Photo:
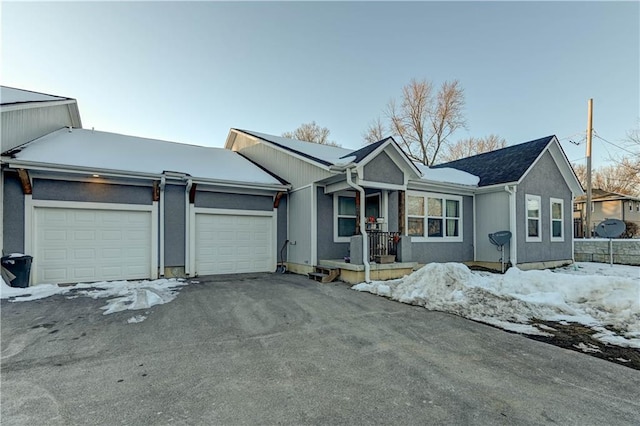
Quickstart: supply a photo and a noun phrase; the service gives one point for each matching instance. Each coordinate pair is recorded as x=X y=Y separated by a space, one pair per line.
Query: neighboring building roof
x=602 y=195
x=324 y=154
x=11 y=95
x=88 y=149
x=503 y=165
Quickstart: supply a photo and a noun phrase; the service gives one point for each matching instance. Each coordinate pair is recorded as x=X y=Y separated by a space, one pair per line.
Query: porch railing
x=382 y=244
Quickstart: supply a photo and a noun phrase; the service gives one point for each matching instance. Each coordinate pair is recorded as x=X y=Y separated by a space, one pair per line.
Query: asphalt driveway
x=281 y=349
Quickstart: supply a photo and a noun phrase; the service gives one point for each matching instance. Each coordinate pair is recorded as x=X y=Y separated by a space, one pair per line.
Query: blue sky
x=188 y=72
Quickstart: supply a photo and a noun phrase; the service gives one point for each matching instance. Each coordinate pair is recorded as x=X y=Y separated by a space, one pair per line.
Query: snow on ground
x=595 y=295
x=121 y=295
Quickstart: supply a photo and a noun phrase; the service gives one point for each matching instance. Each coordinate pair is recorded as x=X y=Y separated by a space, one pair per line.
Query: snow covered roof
x=324 y=154
x=11 y=95
x=335 y=156
x=110 y=151
x=447 y=175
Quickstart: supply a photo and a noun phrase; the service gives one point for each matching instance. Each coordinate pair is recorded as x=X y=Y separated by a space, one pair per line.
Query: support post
x=401 y=212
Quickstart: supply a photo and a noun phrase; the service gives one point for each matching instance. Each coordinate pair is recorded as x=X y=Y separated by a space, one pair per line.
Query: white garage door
x=229 y=244
x=86 y=245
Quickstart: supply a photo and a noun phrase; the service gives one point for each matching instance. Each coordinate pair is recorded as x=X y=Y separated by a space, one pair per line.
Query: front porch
x=353 y=273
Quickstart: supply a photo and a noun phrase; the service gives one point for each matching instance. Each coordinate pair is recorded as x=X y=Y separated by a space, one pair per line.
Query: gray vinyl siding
x=383 y=169
x=427 y=252
x=299 y=250
x=295 y=171
x=24 y=125
x=174 y=225
x=327 y=249
x=492 y=216
x=60 y=190
x=13 y=210
x=223 y=200
x=546 y=181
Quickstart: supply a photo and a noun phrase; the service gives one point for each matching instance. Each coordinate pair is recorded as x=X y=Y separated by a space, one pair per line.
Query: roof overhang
x=89 y=172
x=450 y=188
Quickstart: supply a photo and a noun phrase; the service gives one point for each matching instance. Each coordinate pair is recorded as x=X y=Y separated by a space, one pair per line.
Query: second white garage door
x=231 y=244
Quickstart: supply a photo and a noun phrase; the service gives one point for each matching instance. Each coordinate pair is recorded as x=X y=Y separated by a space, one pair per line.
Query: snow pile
x=125 y=295
x=511 y=301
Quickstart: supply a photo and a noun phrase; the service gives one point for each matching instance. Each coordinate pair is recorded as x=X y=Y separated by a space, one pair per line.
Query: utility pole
x=589 y=131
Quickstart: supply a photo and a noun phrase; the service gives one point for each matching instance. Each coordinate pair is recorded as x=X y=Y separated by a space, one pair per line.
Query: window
x=344 y=217
x=630 y=206
x=533 y=218
x=638 y=207
x=434 y=216
x=557 y=223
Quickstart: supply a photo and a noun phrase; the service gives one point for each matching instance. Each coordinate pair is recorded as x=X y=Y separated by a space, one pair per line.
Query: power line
x=611 y=143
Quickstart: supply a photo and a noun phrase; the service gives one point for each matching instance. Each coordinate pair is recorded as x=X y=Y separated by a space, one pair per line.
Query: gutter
x=513 y=252
x=83 y=170
x=163 y=182
x=187 y=226
x=363 y=232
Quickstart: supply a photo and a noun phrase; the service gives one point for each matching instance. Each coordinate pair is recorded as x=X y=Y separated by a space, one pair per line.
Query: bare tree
x=375 y=132
x=633 y=142
x=421 y=120
x=621 y=178
x=473 y=146
x=581 y=173
x=311 y=132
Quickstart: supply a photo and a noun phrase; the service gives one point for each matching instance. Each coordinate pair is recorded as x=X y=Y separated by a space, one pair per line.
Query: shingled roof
x=503 y=165
x=361 y=153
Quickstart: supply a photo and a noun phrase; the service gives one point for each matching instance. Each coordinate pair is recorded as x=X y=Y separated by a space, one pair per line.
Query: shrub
x=631 y=231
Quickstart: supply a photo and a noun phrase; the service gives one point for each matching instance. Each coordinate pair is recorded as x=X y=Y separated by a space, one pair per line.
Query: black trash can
x=20 y=267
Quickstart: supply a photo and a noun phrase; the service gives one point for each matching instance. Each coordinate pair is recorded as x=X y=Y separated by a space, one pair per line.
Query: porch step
x=324 y=275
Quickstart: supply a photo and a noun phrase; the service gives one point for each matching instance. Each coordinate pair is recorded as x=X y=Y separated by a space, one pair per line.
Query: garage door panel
x=84 y=254
x=228 y=244
x=74 y=244
x=54 y=275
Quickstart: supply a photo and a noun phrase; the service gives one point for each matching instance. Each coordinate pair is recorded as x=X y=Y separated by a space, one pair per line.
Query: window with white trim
x=344 y=208
x=434 y=217
x=557 y=224
x=533 y=218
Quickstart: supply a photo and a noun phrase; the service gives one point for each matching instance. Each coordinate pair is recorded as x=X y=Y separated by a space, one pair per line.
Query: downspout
x=573 y=237
x=513 y=244
x=187 y=225
x=163 y=182
x=365 y=240
x=475 y=229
